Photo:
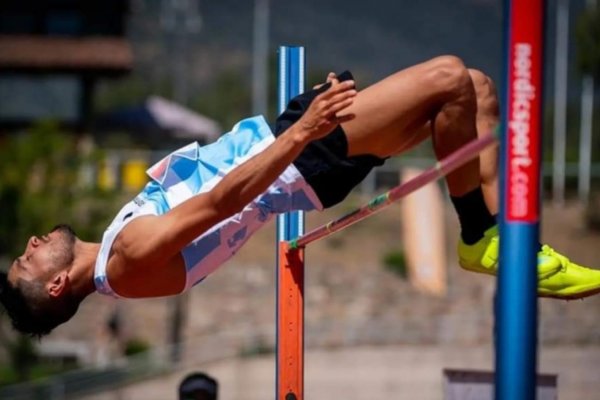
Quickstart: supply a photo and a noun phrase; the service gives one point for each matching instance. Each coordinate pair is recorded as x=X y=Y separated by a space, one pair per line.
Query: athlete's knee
x=484 y=86
x=485 y=90
x=450 y=74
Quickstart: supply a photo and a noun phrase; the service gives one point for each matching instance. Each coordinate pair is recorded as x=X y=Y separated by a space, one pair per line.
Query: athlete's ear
x=58 y=284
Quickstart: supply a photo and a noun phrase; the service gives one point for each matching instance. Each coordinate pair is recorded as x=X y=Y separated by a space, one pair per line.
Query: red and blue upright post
x=516 y=302
x=290 y=262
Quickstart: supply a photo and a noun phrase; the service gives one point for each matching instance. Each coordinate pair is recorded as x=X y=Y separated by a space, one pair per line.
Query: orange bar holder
x=291 y=323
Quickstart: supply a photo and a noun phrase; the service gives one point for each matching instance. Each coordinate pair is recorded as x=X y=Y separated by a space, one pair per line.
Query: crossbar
x=441 y=168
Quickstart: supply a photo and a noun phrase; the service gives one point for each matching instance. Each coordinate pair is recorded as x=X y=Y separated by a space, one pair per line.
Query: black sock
x=473 y=214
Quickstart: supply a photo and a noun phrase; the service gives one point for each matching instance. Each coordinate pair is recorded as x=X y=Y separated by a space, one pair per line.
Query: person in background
x=198 y=386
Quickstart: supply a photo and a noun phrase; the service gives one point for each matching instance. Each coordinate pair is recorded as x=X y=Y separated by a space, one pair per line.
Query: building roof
x=106 y=55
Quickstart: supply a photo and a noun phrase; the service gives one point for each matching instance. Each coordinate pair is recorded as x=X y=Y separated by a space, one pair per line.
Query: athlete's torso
x=192 y=170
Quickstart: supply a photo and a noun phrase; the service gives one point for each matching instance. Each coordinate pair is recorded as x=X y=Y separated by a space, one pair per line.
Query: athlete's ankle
x=474 y=217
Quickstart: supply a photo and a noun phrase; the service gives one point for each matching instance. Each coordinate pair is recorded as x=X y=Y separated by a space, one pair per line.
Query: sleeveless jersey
x=194 y=169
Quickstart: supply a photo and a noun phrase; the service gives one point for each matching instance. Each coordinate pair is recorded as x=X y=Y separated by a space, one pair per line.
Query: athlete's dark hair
x=30 y=307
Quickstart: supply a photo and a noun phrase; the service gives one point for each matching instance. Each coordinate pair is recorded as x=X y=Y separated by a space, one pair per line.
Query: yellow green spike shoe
x=558 y=277
x=482 y=256
x=571 y=282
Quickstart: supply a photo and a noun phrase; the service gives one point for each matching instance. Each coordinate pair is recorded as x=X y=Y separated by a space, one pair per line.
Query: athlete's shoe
x=557 y=276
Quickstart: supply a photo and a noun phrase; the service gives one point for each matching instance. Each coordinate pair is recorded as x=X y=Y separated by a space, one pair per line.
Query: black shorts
x=324 y=163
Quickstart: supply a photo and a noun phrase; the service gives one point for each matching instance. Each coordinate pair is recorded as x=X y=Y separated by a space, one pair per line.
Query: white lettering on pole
x=523 y=92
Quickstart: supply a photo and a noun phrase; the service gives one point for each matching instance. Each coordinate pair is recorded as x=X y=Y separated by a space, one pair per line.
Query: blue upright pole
x=291 y=84
x=289 y=370
x=516 y=303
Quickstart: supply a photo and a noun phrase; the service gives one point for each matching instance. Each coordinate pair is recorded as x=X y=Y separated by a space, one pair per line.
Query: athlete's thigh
x=390 y=115
x=415 y=138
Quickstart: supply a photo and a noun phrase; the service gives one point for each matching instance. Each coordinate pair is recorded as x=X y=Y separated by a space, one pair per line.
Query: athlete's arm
x=165 y=235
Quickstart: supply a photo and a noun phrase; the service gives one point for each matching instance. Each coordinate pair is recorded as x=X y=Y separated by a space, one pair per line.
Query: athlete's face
x=44 y=256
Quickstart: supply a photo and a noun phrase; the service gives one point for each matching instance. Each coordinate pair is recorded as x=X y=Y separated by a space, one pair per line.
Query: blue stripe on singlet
x=212 y=160
x=196 y=165
x=154 y=193
x=270 y=203
x=198 y=250
x=186 y=170
x=280 y=202
x=220 y=156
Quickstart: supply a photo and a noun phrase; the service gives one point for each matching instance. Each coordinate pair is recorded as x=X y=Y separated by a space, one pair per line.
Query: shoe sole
x=577 y=296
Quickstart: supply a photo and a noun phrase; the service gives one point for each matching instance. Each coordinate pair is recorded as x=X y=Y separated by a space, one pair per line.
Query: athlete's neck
x=81 y=273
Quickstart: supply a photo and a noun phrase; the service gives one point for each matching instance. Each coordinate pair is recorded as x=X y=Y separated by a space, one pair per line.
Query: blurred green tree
x=41 y=185
x=23 y=355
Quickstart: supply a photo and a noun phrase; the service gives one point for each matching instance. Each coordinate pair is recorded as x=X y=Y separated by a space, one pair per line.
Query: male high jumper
x=203 y=203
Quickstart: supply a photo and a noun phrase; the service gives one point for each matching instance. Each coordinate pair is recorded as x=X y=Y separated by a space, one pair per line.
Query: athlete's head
x=36 y=292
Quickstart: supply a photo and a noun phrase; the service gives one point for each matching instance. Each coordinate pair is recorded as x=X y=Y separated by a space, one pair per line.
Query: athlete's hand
x=330 y=77
x=323 y=114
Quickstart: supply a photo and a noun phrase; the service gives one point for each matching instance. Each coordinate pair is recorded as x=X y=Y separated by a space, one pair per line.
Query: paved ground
x=375 y=373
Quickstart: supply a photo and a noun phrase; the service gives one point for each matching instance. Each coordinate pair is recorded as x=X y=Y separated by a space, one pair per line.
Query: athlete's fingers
x=333 y=80
x=328 y=107
x=335 y=89
x=345 y=118
x=339 y=106
x=326 y=104
x=342 y=96
x=330 y=77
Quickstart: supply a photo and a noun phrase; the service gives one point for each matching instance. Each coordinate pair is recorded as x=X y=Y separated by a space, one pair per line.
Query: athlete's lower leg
x=477 y=209
x=440 y=97
x=558 y=277
x=435 y=98
x=487 y=121
x=454 y=125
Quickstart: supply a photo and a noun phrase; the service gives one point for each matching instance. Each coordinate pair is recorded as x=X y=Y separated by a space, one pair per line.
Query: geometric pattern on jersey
x=193 y=170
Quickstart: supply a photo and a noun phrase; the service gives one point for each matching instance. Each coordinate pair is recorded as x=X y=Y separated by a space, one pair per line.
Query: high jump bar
x=440 y=169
